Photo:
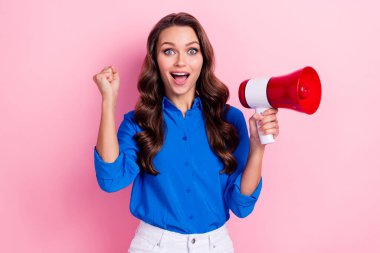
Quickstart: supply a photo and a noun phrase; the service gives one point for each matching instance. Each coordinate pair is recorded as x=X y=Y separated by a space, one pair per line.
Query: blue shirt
x=189 y=195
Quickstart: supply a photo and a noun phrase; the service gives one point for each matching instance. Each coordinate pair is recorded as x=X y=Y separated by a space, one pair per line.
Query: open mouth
x=180 y=78
x=180 y=75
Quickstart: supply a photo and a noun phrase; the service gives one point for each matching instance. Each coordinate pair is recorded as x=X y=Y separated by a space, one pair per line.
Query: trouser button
x=193 y=241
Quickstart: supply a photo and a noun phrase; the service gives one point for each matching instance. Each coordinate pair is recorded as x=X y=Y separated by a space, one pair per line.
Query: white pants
x=152 y=239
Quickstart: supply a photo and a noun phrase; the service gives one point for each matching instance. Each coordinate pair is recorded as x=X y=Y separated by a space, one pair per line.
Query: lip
x=178 y=82
x=179 y=71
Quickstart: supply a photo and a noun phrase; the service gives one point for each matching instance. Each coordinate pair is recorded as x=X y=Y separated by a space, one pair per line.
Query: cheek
x=196 y=64
x=162 y=64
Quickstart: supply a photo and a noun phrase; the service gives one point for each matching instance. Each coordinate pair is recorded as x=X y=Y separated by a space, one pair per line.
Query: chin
x=178 y=90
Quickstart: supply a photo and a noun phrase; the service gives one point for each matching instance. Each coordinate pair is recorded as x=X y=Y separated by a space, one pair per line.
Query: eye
x=168 y=51
x=193 y=51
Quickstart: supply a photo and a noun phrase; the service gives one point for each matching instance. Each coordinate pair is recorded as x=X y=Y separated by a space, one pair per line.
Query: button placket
x=187 y=162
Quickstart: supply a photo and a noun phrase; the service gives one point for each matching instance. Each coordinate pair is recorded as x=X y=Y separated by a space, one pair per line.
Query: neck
x=183 y=103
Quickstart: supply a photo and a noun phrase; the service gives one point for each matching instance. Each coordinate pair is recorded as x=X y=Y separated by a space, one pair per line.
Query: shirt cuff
x=108 y=170
x=243 y=199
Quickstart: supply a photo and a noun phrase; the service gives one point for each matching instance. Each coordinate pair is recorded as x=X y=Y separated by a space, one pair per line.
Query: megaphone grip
x=264 y=138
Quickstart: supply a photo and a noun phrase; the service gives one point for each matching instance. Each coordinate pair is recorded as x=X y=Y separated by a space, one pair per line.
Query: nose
x=180 y=62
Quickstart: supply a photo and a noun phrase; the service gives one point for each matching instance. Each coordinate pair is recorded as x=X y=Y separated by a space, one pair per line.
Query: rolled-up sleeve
x=240 y=204
x=116 y=175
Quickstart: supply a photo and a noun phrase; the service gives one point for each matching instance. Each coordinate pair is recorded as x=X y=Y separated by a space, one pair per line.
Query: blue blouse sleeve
x=116 y=175
x=240 y=204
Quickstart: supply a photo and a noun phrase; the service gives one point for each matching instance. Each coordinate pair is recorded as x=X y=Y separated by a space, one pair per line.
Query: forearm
x=107 y=144
x=252 y=172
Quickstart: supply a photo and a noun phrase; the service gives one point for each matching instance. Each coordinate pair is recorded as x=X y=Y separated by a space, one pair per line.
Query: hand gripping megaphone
x=300 y=91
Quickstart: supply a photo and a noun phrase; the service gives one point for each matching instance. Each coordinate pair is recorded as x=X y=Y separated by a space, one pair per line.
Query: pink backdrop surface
x=321 y=177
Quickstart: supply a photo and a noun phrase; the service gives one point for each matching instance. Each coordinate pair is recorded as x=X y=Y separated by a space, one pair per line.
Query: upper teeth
x=181 y=74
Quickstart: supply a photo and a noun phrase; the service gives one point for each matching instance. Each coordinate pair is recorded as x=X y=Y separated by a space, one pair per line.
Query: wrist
x=108 y=104
x=108 y=101
x=257 y=149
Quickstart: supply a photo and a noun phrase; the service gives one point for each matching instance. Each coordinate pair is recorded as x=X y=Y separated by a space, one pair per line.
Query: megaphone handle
x=264 y=138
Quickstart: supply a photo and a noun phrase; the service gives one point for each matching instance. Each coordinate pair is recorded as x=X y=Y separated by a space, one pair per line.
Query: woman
x=186 y=151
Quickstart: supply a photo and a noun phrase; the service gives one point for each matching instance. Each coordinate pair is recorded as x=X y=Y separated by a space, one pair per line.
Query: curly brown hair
x=222 y=136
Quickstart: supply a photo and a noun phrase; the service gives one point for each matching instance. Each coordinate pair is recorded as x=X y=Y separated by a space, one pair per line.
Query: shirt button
x=193 y=241
x=187 y=163
x=191 y=217
x=188 y=190
x=184 y=138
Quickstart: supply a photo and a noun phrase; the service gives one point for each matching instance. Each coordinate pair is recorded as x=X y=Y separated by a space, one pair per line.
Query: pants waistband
x=143 y=226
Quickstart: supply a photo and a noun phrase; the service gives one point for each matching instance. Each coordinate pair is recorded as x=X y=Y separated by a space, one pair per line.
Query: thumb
x=256 y=117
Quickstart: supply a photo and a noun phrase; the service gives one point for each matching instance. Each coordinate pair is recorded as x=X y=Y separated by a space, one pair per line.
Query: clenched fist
x=268 y=124
x=108 y=82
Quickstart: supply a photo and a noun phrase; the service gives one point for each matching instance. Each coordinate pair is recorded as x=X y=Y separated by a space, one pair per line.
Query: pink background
x=321 y=177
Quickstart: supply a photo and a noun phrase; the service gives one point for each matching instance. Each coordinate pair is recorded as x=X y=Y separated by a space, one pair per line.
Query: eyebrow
x=170 y=43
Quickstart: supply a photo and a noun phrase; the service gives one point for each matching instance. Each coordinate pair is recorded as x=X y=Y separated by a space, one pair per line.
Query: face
x=179 y=60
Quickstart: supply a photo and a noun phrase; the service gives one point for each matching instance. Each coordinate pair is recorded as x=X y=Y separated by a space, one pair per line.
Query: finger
x=103 y=76
x=252 y=121
x=268 y=118
x=276 y=134
x=255 y=117
x=259 y=116
x=116 y=75
x=269 y=131
x=107 y=69
x=270 y=111
x=269 y=125
x=114 y=70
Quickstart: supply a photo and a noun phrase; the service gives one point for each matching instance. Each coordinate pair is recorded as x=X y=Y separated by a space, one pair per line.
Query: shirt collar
x=167 y=103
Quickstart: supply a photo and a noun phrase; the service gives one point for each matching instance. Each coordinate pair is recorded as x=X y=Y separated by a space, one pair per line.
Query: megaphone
x=300 y=91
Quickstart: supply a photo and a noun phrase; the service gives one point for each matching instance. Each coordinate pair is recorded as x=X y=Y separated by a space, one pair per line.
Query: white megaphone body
x=300 y=90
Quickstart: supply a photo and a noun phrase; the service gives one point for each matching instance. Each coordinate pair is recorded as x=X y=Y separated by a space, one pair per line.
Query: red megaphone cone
x=300 y=90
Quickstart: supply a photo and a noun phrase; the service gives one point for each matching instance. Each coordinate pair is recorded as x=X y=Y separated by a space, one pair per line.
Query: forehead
x=179 y=35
